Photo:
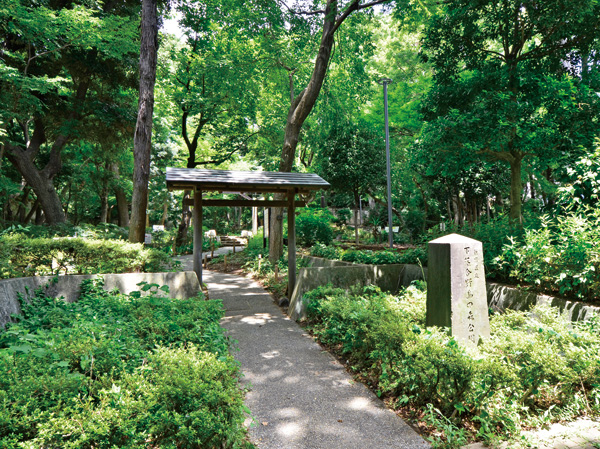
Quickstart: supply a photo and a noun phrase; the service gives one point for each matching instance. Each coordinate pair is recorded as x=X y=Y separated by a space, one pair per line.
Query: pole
x=384 y=82
x=291 y=243
x=198 y=234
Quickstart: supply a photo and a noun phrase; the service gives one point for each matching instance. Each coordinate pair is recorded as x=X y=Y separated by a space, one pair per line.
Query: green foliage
x=535 y=368
x=582 y=183
x=494 y=235
x=314 y=225
x=351 y=159
x=117 y=371
x=99 y=231
x=342 y=216
x=255 y=243
x=328 y=252
x=506 y=97
x=559 y=257
x=416 y=255
x=23 y=256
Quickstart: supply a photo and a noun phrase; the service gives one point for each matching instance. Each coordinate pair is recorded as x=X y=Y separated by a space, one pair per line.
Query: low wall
x=502 y=297
x=387 y=277
x=183 y=284
x=345 y=274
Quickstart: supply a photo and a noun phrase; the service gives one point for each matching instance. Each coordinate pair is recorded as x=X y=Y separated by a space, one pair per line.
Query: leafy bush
x=343 y=216
x=24 y=256
x=409 y=256
x=417 y=256
x=116 y=371
x=328 y=252
x=100 y=231
x=536 y=367
x=560 y=257
x=314 y=225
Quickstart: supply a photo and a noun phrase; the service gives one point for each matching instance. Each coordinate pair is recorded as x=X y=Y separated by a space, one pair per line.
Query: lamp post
x=384 y=82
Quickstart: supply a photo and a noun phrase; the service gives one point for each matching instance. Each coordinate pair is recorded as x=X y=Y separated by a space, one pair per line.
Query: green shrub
x=417 y=256
x=343 y=216
x=560 y=257
x=314 y=225
x=535 y=368
x=116 y=371
x=24 y=256
x=328 y=252
x=100 y=231
x=410 y=256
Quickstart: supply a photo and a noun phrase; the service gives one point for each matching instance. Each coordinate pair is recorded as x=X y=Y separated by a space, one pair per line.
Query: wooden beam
x=198 y=234
x=245 y=189
x=245 y=203
x=291 y=243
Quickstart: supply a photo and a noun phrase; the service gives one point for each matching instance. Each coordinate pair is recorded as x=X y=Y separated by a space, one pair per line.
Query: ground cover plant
x=118 y=371
x=535 y=368
x=557 y=255
x=21 y=256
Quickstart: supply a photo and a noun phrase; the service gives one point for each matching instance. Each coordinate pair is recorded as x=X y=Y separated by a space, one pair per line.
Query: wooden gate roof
x=243 y=181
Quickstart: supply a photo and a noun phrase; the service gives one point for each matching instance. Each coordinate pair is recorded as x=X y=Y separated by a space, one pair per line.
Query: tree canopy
x=493 y=109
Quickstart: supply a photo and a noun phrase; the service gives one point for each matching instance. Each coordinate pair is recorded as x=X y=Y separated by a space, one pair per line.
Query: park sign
x=456 y=290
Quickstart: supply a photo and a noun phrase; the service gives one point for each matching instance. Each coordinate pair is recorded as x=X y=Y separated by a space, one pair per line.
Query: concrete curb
x=345 y=275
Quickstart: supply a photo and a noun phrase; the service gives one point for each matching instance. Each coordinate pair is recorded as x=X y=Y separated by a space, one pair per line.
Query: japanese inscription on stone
x=456 y=291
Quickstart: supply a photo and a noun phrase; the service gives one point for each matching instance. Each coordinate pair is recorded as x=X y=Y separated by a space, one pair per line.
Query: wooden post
x=233 y=247
x=212 y=249
x=198 y=234
x=206 y=261
x=291 y=242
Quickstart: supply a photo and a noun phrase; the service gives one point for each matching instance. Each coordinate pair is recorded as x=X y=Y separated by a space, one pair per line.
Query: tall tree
x=495 y=63
x=334 y=15
x=211 y=79
x=59 y=64
x=142 y=143
x=351 y=161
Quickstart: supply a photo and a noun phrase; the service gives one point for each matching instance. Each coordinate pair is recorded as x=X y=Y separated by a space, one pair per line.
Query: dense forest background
x=494 y=106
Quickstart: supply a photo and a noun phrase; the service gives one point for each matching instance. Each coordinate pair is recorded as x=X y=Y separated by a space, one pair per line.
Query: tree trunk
x=122 y=207
x=186 y=219
x=300 y=108
x=516 y=190
x=254 y=220
x=143 y=130
x=275 y=233
x=21 y=214
x=39 y=216
x=104 y=197
x=165 y=213
x=121 y=197
x=356 y=225
x=34 y=208
x=41 y=183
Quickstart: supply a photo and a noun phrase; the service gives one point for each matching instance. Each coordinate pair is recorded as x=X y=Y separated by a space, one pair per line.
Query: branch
x=395 y=211
x=220 y=160
x=31 y=58
x=239 y=147
x=355 y=6
x=303 y=13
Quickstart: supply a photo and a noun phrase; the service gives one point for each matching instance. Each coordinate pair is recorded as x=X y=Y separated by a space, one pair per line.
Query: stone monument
x=456 y=292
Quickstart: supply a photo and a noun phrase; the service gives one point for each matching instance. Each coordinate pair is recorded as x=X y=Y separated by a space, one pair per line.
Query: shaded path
x=300 y=396
x=187 y=261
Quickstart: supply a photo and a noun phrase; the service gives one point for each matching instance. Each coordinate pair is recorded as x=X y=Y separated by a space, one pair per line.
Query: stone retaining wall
x=345 y=274
x=183 y=284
